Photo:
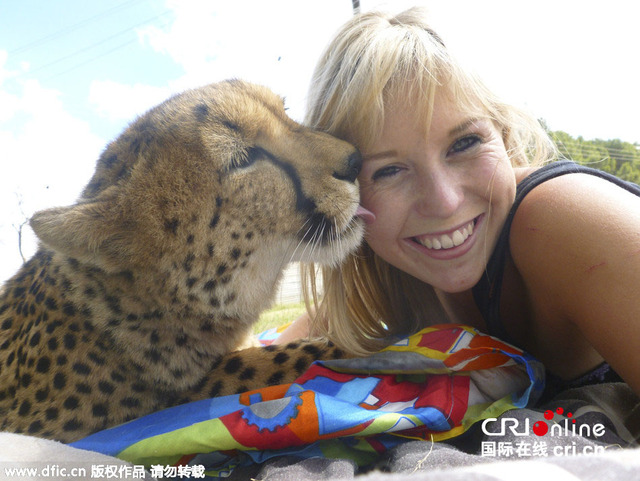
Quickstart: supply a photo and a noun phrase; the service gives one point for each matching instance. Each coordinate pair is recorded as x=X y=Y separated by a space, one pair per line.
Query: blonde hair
x=373 y=60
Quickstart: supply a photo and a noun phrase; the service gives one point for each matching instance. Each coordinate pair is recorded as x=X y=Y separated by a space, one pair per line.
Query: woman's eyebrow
x=464 y=126
x=380 y=155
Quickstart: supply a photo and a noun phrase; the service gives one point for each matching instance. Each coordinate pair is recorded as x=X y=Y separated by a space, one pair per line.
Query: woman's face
x=440 y=200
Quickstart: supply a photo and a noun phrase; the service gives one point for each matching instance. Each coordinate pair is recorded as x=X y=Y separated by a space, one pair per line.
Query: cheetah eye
x=247 y=157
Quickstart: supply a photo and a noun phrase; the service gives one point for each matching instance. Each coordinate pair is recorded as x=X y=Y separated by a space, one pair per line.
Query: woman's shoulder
x=582 y=190
x=569 y=207
x=566 y=173
x=571 y=230
x=575 y=241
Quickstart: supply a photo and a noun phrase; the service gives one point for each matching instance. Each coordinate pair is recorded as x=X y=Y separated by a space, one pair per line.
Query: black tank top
x=488 y=290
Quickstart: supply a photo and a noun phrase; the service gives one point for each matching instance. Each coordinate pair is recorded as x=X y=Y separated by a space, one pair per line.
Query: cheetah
x=141 y=293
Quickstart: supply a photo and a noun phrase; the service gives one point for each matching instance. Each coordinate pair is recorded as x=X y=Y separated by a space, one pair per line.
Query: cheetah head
x=215 y=183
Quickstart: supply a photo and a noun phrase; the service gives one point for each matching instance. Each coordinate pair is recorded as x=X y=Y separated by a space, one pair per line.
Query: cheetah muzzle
x=140 y=292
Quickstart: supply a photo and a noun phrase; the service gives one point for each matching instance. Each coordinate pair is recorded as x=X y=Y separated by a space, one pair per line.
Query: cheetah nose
x=352 y=169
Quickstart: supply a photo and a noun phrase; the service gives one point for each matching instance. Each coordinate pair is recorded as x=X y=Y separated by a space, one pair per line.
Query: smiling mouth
x=450 y=240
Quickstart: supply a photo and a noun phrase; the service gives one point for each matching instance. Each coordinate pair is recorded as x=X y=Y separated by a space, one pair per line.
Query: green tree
x=614 y=156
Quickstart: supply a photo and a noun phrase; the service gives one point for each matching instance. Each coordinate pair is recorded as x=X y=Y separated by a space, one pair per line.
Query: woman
x=458 y=233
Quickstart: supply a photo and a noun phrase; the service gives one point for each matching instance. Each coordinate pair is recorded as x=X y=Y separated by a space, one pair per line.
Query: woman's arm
x=576 y=244
x=298 y=329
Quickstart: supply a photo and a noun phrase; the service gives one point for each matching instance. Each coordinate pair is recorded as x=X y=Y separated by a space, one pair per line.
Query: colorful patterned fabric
x=267 y=337
x=431 y=386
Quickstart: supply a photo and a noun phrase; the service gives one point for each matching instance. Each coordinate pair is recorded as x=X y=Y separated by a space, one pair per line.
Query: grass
x=278 y=315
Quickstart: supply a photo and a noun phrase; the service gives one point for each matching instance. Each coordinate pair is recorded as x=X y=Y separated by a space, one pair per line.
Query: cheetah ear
x=84 y=231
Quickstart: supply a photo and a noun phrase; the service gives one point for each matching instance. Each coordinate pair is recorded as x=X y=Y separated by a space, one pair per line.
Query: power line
x=603 y=152
x=95 y=57
x=92 y=59
x=590 y=146
x=73 y=28
x=100 y=42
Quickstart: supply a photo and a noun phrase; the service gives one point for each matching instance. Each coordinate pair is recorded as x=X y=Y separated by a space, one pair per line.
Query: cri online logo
x=565 y=427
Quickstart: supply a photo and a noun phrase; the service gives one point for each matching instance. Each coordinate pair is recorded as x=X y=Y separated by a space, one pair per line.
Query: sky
x=74 y=73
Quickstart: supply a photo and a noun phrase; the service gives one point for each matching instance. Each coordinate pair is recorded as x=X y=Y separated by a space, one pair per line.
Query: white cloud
x=273 y=43
x=117 y=101
x=8 y=106
x=46 y=157
x=184 y=40
x=4 y=56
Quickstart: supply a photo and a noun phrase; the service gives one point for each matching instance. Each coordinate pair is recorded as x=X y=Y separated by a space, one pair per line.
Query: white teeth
x=459 y=237
x=447 y=242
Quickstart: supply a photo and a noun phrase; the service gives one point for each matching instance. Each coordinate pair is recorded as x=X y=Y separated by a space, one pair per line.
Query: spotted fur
x=142 y=291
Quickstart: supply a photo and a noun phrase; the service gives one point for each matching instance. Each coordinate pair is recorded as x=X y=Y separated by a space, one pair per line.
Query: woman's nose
x=439 y=194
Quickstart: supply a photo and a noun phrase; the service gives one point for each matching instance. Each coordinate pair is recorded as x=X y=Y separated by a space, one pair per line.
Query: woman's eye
x=389 y=171
x=465 y=143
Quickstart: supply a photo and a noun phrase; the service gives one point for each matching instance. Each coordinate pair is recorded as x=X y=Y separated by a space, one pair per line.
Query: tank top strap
x=488 y=290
